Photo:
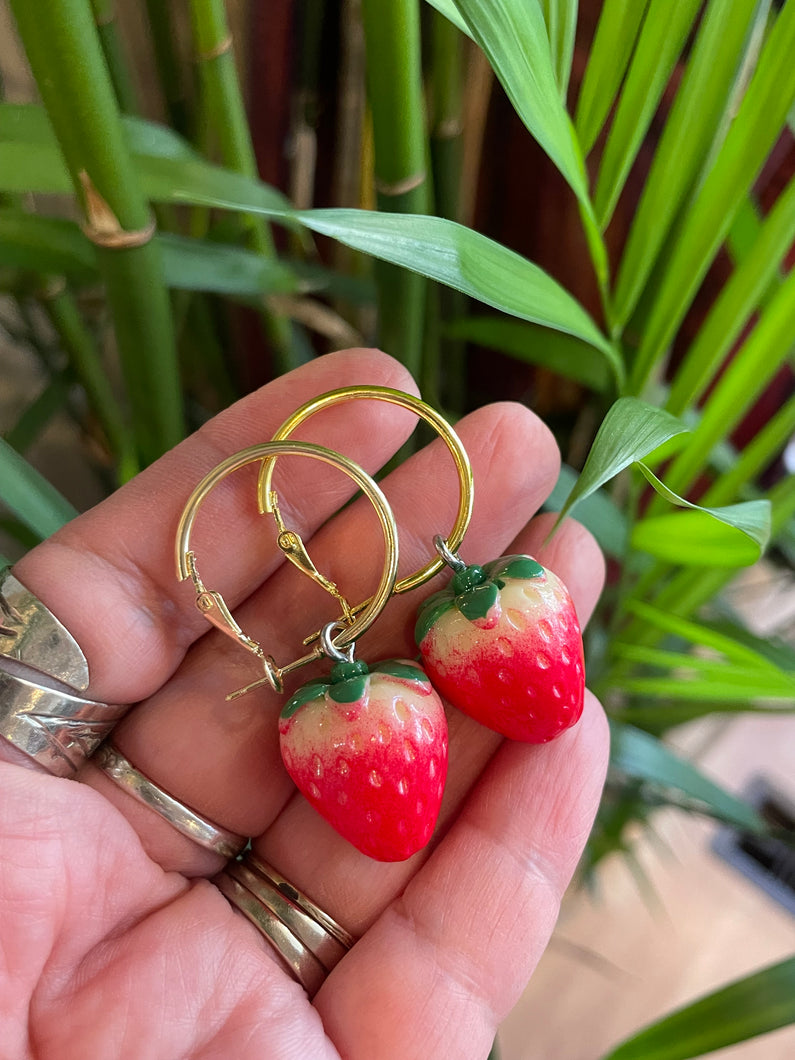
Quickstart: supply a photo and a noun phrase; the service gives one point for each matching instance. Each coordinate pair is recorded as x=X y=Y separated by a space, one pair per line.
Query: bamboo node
x=221 y=48
x=400 y=187
x=52 y=289
x=102 y=225
x=448 y=129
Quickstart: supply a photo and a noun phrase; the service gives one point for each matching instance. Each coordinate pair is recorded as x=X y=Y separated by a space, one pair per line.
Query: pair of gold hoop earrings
x=368 y=746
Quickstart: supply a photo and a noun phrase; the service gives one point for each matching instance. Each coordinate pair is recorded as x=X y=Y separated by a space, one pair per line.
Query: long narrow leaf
x=748 y=1007
x=513 y=35
x=24 y=491
x=689 y=131
x=760 y=119
x=739 y=297
x=45 y=245
x=753 y=366
x=642 y=756
x=527 y=342
x=759 y=682
x=698 y=633
x=616 y=33
x=661 y=39
x=597 y=512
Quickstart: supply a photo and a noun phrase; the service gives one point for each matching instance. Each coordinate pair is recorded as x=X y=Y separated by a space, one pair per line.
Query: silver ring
x=181 y=817
x=31 y=634
x=452 y=559
x=308 y=940
x=56 y=729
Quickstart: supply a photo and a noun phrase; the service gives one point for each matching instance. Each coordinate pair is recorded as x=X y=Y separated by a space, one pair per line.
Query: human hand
x=114 y=943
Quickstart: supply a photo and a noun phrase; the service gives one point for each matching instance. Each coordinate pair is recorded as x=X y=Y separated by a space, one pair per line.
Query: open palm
x=113 y=941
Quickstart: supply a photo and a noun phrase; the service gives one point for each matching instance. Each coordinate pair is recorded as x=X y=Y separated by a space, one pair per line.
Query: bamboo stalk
x=394 y=88
x=226 y=116
x=107 y=29
x=169 y=69
x=448 y=377
x=76 y=340
x=66 y=59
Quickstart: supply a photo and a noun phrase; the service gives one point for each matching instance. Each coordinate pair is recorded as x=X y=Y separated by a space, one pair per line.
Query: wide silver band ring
x=181 y=817
x=32 y=635
x=309 y=941
x=56 y=729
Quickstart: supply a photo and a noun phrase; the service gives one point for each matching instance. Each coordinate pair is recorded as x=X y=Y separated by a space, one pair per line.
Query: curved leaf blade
x=761 y=117
x=465 y=260
x=30 y=496
x=661 y=39
x=744 y=1009
x=704 y=536
x=689 y=132
x=616 y=33
x=630 y=430
x=642 y=756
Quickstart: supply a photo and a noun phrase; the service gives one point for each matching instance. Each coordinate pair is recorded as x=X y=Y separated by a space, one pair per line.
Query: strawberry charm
x=502 y=643
x=368 y=749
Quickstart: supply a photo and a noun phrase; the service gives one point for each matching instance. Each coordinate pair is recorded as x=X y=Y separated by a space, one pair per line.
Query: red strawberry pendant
x=502 y=643
x=368 y=749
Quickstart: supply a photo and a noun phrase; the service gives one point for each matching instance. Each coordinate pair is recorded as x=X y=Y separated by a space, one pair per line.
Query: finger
x=463 y=939
x=223 y=759
x=109 y=575
x=353 y=888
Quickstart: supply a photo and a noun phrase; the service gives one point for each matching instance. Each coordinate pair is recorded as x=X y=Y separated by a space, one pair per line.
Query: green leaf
x=169 y=169
x=460 y=258
x=513 y=35
x=561 y=19
x=738 y=645
x=748 y=1007
x=704 y=690
x=692 y=125
x=630 y=430
x=476 y=603
x=201 y=265
x=746 y=288
x=597 y=512
x=759 y=682
x=662 y=38
x=305 y=694
x=47 y=245
x=449 y=10
x=514 y=567
x=349 y=691
x=616 y=33
x=430 y=611
x=755 y=129
x=560 y=353
x=704 y=536
x=642 y=756
x=30 y=496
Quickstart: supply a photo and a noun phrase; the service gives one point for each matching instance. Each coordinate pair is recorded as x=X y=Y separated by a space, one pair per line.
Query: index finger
x=109 y=575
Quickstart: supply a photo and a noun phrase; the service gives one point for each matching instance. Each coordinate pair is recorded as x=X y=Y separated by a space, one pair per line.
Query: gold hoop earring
x=367 y=746
x=502 y=642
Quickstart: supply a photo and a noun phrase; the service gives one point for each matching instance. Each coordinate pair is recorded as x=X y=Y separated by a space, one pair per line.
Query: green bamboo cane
x=447 y=155
x=394 y=88
x=227 y=118
x=169 y=70
x=107 y=28
x=65 y=56
x=75 y=338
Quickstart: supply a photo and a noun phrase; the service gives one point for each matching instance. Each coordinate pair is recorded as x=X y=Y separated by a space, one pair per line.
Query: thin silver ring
x=181 y=817
x=452 y=559
x=56 y=729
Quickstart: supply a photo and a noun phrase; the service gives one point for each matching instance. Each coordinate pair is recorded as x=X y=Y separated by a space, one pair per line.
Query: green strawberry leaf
x=305 y=694
x=403 y=671
x=431 y=610
x=348 y=691
x=514 y=567
x=476 y=603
